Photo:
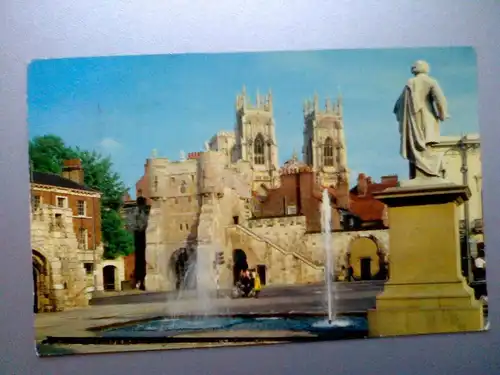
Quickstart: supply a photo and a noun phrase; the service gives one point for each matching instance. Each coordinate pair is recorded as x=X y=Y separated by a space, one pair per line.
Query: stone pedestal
x=426 y=292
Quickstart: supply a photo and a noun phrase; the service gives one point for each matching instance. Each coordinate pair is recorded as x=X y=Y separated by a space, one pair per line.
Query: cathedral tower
x=324 y=141
x=256 y=138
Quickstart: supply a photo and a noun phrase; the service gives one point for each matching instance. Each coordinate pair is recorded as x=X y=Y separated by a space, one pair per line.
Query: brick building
x=365 y=211
x=65 y=237
x=69 y=191
x=300 y=194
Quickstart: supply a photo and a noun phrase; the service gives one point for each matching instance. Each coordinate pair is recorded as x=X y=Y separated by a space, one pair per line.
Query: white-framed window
x=81 y=208
x=62 y=202
x=83 y=238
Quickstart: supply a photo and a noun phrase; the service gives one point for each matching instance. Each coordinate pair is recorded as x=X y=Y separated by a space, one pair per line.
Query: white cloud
x=109 y=145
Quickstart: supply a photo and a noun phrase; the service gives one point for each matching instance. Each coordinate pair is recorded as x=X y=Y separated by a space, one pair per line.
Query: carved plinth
x=426 y=292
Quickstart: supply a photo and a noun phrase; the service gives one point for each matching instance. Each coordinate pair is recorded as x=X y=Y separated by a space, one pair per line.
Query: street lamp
x=464 y=169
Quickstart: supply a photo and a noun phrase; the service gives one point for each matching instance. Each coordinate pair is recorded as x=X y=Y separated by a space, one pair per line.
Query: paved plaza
x=133 y=306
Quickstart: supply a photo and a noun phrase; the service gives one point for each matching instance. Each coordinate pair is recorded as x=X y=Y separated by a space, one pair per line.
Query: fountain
x=202 y=277
x=326 y=229
x=207 y=324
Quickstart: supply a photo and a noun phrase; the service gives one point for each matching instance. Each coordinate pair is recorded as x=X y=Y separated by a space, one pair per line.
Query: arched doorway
x=240 y=263
x=109 y=278
x=364 y=257
x=40 y=278
x=183 y=262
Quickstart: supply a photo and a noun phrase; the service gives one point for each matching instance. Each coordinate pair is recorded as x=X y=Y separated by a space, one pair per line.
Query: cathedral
x=254 y=140
x=235 y=199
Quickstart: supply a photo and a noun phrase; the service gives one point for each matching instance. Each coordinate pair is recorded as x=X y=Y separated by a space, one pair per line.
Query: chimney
x=72 y=170
x=362 y=184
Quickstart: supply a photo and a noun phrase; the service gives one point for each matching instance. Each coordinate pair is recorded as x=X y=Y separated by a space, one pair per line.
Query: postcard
x=208 y=200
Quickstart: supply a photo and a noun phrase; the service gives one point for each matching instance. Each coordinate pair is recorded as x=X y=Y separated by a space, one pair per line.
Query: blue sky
x=127 y=106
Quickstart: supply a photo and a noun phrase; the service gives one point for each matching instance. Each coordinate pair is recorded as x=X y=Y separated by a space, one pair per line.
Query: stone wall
x=289 y=233
x=61 y=280
x=341 y=244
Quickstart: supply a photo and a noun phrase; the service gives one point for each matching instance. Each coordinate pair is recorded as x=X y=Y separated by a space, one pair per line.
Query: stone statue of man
x=419 y=111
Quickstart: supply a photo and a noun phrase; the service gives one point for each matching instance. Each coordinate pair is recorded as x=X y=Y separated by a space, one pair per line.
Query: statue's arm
x=440 y=101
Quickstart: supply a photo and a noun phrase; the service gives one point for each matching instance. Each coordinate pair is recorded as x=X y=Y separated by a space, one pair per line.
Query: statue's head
x=420 y=67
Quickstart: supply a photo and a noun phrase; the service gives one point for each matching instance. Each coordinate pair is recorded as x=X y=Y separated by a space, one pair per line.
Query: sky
x=127 y=106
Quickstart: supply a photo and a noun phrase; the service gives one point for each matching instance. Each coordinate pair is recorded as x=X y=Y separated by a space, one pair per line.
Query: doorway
x=36 y=307
x=366 y=268
x=261 y=271
x=109 y=279
x=239 y=264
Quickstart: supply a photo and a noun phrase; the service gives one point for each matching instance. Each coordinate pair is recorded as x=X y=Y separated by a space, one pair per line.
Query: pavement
x=117 y=309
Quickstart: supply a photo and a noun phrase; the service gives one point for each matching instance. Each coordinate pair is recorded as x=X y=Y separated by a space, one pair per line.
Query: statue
x=182 y=156
x=419 y=110
x=207 y=146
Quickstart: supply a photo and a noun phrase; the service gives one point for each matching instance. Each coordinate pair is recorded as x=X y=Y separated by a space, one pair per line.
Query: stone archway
x=110 y=277
x=41 y=287
x=366 y=258
x=181 y=263
x=243 y=260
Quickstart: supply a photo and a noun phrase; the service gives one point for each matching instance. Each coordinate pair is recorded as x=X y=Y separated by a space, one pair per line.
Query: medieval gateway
x=234 y=200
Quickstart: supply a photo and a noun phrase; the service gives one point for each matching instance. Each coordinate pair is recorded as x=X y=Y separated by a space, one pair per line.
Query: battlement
x=312 y=108
x=262 y=103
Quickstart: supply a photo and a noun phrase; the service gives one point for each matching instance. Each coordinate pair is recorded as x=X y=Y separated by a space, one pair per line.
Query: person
x=480 y=266
x=257 y=286
x=245 y=282
x=480 y=275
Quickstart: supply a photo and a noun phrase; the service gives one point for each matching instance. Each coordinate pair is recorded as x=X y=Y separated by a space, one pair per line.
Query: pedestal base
x=426 y=292
x=415 y=309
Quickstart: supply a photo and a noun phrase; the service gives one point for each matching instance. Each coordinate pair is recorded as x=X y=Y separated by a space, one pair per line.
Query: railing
x=303 y=258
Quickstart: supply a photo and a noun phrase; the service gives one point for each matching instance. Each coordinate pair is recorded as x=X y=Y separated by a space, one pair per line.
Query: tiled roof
x=55 y=180
x=367 y=209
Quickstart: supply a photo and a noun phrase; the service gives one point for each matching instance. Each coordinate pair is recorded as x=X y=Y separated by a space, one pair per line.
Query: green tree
x=47 y=154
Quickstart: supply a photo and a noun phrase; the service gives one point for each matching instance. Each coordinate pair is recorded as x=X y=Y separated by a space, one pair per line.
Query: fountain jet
x=326 y=229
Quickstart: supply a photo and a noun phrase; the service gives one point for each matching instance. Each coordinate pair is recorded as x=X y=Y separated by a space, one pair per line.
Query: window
x=58 y=220
x=81 y=208
x=176 y=201
x=36 y=202
x=189 y=199
x=258 y=150
x=155 y=183
x=183 y=187
x=180 y=226
x=61 y=202
x=89 y=267
x=82 y=238
x=328 y=152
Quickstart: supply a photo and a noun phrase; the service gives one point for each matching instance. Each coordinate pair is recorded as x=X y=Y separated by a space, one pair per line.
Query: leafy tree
x=47 y=154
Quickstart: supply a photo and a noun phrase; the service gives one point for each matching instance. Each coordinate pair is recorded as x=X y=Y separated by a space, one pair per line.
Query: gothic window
x=183 y=187
x=258 y=150
x=328 y=152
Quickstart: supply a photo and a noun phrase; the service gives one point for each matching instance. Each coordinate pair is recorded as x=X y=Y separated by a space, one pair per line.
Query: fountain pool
x=249 y=325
